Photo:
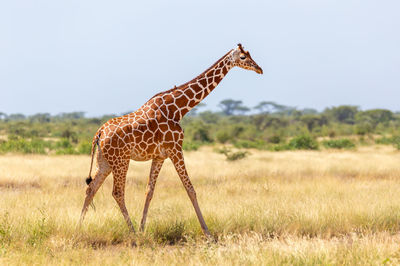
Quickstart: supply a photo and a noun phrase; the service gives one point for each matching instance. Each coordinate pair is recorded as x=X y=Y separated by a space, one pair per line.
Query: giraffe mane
x=184 y=85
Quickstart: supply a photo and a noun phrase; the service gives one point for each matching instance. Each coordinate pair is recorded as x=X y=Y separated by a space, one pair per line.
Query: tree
x=242 y=109
x=199 y=131
x=229 y=107
x=70 y=135
x=3 y=115
x=312 y=121
x=374 y=117
x=309 y=111
x=265 y=107
x=72 y=115
x=263 y=121
x=16 y=117
x=343 y=114
x=209 y=117
x=40 y=117
x=286 y=110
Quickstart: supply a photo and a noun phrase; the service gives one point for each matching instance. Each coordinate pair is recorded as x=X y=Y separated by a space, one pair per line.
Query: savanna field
x=289 y=207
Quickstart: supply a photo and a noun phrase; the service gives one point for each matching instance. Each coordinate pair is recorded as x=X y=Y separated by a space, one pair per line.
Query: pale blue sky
x=111 y=56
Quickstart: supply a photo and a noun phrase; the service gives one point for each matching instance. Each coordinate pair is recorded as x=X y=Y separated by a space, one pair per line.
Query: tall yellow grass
x=298 y=207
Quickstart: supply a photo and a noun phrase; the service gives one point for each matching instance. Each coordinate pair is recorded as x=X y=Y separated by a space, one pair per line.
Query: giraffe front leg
x=179 y=163
x=155 y=170
x=120 y=170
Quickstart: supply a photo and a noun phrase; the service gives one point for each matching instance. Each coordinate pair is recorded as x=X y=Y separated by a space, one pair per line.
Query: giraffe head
x=242 y=58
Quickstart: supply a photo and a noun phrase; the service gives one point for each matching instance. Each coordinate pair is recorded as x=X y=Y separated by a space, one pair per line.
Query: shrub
x=394 y=140
x=249 y=144
x=63 y=144
x=223 y=136
x=338 y=144
x=303 y=142
x=16 y=144
x=190 y=145
x=397 y=144
x=84 y=147
x=279 y=147
x=275 y=139
x=222 y=150
x=232 y=156
x=198 y=131
x=388 y=140
x=169 y=233
x=363 y=129
x=64 y=147
x=70 y=135
x=332 y=133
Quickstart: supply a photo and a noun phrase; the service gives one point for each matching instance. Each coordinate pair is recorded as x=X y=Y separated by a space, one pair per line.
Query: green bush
x=19 y=145
x=190 y=145
x=233 y=156
x=169 y=233
x=223 y=136
x=230 y=155
x=363 y=129
x=393 y=140
x=338 y=144
x=279 y=147
x=388 y=140
x=397 y=144
x=303 y=142
x=63 y=144
x=275 y=139
x=222 y=150
x=64 y=147
x=84 y=147
x=249 y=144
x=200 y=132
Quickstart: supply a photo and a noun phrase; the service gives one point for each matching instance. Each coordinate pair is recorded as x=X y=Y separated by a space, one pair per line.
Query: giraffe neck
x=180 y=100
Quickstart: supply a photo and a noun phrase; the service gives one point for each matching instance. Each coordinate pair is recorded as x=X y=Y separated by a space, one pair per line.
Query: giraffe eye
x=242 y=56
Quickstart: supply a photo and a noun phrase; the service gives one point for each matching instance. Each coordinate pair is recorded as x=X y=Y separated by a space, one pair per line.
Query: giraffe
x=153 y=133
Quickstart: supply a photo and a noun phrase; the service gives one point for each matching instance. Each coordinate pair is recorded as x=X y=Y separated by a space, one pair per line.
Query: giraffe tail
x=94 y=143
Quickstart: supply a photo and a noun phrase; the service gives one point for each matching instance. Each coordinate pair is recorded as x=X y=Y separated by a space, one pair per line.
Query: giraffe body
x=153 y=133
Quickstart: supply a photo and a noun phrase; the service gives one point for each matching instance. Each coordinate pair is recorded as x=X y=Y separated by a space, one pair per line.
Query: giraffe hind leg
x=102 y=171
x=155 y=170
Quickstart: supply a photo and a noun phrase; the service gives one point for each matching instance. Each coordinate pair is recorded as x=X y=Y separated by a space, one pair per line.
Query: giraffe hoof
x=208 y=234
x=211 y=239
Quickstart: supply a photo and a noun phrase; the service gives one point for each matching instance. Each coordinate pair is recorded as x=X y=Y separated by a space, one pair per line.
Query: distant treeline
x=268 y=126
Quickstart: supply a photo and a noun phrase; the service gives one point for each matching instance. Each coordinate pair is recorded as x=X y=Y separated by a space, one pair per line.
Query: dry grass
x=321 y=207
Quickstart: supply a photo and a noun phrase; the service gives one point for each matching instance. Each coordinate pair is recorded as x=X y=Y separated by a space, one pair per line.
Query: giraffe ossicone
x=153 y=133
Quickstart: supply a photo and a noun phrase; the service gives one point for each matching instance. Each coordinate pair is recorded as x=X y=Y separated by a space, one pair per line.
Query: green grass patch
x=338 y=144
